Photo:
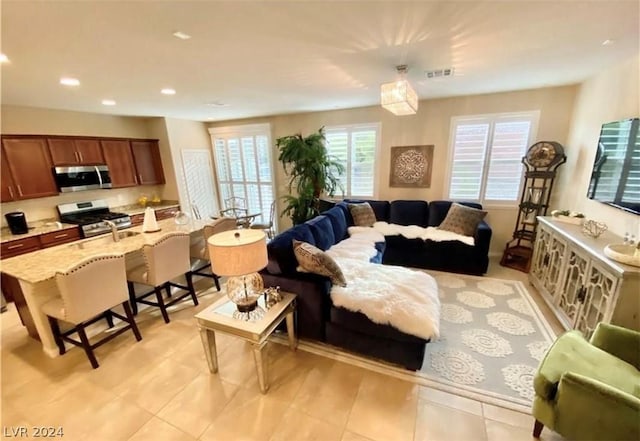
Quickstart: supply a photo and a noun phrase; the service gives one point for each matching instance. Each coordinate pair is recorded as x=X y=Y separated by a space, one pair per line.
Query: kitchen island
x=36 y=271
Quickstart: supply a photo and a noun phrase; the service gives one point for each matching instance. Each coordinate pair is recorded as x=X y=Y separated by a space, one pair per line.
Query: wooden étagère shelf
x=541 y=162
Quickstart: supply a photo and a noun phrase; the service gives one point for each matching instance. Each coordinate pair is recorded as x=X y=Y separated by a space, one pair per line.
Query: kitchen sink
x=102 y=240
x=125 y=234
x=623 y=253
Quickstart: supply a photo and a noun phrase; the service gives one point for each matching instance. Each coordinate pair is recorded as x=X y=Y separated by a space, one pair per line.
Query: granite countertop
x=137 y=209
x=41 y=265
x=35 y=229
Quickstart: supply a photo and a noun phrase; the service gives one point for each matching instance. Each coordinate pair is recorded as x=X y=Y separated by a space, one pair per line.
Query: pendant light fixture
x=398 y=97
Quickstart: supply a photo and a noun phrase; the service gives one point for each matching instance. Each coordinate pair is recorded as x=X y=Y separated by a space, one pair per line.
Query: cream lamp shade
x=238 y=252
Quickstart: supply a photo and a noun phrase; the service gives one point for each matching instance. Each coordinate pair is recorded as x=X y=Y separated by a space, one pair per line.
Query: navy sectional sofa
x=318 y=319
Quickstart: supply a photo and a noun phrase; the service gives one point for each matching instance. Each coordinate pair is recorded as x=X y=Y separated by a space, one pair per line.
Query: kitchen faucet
x=114 y=230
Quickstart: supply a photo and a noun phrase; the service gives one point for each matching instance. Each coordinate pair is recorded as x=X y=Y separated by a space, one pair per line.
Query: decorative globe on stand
x=239 y=255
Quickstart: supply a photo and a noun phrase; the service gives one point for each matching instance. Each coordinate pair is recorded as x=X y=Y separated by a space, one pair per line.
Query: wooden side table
x=219 y=318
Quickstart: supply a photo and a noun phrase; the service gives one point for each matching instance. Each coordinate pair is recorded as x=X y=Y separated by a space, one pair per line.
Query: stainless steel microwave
x=84 y=177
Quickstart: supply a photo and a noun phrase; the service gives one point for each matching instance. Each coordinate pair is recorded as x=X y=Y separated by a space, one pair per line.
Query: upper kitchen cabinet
x=118 y=157
x=8 y=191
x=70 y=151
x=146 y=155
x=30 y=167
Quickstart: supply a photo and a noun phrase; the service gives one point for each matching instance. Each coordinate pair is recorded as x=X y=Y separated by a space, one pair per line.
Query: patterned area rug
x=492 y=338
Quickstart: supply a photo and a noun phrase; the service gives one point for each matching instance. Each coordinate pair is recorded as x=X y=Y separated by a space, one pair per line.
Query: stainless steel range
x=93 y=217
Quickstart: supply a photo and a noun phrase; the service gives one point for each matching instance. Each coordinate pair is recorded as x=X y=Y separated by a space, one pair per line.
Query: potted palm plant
x=312 y=172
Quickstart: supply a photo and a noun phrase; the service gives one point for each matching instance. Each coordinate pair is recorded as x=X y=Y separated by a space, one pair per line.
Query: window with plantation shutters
x=242 y=157
x=355 y=147
x=485 y=156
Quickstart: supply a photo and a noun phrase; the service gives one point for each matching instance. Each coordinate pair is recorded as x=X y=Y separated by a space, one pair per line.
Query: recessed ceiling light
x=68 y=81
x=168 y=91
x=4 y=58
x=108 y=102
x=181 y=35
x=607 y=42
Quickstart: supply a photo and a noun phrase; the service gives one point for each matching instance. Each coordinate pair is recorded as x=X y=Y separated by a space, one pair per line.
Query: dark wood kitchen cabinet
x=8 y=191
x=28 y=160
x=70 y=151
x=146 y=156
x=59 y=237
x=19 y=246
x=30 y=167
x=166 y=213
x=118 y=157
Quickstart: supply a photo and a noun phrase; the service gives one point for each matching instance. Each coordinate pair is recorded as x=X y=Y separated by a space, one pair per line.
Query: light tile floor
x=161 y=389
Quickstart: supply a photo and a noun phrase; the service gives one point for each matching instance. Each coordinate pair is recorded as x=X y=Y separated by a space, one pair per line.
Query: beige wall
x=35 y=121
x=612 y=95
x=157 y=128
x=431 y=125
x=17 y=120
x=182 y=134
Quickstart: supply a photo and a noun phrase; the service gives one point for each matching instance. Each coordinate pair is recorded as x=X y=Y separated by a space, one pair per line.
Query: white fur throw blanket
x=390 y=295
x=415 y=232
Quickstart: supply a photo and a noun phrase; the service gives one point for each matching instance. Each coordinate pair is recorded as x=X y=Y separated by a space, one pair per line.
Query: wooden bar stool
x=165 y=260
x=200 y=251
x=88 y=291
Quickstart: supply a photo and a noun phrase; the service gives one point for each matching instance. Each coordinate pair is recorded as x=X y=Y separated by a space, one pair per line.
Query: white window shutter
x=363 y=152
x=222 y=162
x=243 y=165
x=487 y=151
x=508 y=146
x=337 y=144
x=355 y=148
x=469 y=149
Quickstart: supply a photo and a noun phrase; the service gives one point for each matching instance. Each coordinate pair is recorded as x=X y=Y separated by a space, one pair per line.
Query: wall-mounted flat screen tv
x=615 y=179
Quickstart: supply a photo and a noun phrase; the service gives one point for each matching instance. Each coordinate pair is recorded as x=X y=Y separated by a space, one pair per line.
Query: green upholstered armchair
x=590 y=390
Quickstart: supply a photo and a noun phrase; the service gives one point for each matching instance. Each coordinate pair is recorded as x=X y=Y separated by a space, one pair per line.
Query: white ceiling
x=267 y=58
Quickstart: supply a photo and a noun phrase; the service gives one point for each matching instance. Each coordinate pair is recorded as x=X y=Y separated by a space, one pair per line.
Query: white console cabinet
x=579 y=283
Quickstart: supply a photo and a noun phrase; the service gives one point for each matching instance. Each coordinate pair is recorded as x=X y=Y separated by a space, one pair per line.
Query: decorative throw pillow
x=316 y=261
x=363 y=215
x=462 y=220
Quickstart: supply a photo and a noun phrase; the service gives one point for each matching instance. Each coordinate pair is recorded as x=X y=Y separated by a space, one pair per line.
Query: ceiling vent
x=439 y=73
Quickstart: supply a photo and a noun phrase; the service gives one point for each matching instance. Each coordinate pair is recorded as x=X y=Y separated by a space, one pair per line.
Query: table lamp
x=239 y=255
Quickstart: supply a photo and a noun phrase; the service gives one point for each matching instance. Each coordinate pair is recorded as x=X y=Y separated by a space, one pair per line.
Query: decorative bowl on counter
x=593 y=228
x=623 y=253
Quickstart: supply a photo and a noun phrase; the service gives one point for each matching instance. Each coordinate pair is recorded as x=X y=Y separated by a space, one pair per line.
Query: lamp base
x=248 y=306
x=249 y=316
x=245 y=291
